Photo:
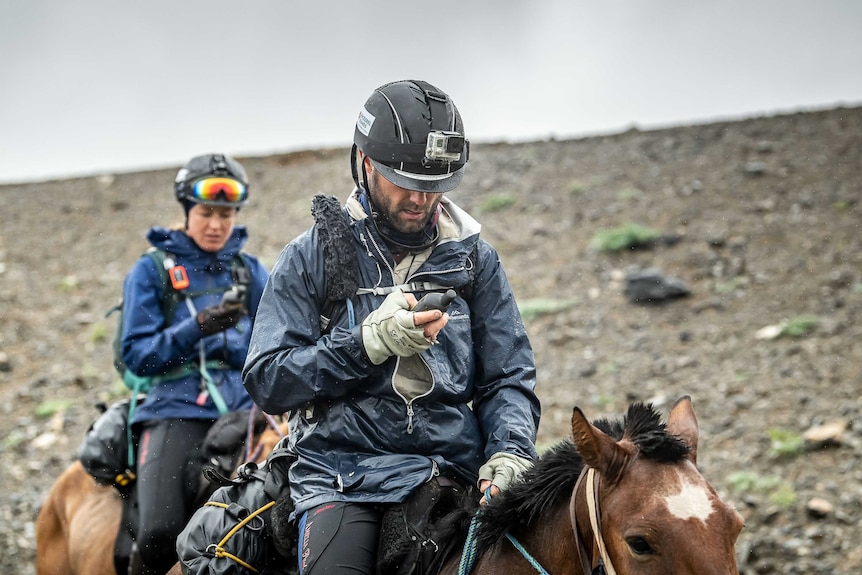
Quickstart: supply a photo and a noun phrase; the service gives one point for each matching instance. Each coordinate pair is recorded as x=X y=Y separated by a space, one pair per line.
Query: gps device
x=435 y=300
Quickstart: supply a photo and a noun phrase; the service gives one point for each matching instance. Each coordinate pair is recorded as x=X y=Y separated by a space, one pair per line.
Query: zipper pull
x=409 y=418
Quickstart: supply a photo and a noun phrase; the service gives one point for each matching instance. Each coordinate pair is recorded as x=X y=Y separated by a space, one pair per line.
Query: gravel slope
x=759 y=219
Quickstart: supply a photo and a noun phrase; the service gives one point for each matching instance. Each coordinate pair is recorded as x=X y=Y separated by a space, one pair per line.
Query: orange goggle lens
x=219 y=190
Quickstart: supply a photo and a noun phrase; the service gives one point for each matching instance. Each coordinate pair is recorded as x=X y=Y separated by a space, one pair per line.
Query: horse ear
x=683 y=423
x=597 y=449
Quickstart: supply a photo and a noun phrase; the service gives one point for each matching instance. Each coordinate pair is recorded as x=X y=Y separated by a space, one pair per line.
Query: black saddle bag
x=106 y=452
x=233 y=532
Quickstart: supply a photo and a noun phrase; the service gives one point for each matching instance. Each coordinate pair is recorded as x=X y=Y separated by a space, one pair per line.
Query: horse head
x=641 y=505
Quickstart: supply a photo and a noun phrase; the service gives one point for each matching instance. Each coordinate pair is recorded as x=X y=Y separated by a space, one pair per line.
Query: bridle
x=591 y=493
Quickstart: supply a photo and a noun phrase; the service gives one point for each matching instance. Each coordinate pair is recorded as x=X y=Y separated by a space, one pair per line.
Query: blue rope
x=468 y=556
x=526 y=555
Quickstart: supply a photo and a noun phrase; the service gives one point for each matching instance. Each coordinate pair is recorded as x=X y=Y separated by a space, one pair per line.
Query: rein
x=468 y=556
x=591 y=494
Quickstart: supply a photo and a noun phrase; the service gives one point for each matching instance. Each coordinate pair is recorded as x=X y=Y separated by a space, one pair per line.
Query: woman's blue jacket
x=151 y=348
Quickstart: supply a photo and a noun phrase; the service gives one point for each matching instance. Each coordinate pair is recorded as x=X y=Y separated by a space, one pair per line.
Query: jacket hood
x=180 y=244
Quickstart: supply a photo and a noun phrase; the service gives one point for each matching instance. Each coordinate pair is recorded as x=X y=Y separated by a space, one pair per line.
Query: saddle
x=412 y=534
x=221 y=450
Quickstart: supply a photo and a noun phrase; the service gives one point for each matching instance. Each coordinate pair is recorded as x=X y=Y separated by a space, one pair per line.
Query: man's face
x=405 y=210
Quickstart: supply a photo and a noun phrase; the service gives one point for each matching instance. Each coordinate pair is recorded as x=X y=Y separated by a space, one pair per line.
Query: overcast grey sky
x=89 y=86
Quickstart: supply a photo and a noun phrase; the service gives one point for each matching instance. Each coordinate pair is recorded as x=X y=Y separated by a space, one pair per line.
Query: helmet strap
x=354 y=172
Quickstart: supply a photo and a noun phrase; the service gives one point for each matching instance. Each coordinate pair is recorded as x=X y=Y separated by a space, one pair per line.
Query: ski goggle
x=222 y=190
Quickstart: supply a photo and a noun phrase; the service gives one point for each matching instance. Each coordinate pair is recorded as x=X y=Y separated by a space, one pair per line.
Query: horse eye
x=639 y=546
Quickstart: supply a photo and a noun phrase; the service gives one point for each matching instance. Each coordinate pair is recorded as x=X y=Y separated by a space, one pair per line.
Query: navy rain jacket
x=152 y=349
x=357 y=439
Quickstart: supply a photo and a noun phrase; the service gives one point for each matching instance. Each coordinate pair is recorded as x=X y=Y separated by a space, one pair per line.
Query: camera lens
x=455 y=144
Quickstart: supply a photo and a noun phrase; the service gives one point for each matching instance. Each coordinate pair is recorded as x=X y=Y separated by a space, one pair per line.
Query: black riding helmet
x=212 y=179
x=414 y=136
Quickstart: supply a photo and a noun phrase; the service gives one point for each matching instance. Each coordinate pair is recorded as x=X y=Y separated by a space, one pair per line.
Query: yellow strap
x=219 y=550
x=243 y=523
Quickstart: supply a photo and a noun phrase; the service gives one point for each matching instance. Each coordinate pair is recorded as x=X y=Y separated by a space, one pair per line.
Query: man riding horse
x=385 y=397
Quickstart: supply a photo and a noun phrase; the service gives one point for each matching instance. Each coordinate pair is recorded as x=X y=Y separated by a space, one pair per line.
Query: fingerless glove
x=389 y=330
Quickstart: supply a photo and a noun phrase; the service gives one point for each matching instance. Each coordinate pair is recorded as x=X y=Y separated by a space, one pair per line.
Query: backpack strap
x=171 y=297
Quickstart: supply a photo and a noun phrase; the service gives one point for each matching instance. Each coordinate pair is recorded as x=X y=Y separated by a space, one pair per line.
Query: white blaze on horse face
x=691 y=501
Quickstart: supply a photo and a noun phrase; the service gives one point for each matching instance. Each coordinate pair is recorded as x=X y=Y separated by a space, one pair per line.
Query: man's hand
x=500 y=470
x=392 y=329
x=217 y=318
x=432 y=321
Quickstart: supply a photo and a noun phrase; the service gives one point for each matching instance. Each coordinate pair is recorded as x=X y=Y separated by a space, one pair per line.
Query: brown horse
x=77 y=526
x=622 y=498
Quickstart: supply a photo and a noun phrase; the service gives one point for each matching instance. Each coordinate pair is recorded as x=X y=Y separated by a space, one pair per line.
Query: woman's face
x=210 y=226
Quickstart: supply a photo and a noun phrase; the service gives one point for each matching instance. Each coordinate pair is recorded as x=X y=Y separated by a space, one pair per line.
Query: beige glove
x=389 y=330
x=503 y=468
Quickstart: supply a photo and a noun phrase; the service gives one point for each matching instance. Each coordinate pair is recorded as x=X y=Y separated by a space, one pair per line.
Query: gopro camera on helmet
x=444 y=146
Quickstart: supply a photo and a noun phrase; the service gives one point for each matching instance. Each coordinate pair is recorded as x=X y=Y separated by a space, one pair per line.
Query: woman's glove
x=389 y=330
x=217 y=318
x=502 y=469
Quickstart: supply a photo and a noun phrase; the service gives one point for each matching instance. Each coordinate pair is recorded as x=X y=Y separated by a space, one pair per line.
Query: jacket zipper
x=409 y=403
x=410 y=411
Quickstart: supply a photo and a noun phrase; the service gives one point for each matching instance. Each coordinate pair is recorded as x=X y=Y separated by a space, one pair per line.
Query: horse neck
x=552 y=543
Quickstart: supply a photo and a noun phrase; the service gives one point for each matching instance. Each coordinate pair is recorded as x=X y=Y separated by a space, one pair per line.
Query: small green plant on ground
x=783 y=496
x=800 y=326
x=601 y=400
x=577 y=187
x=497 y=202
x=747 y=481
x=52 y=406
x=532 y=308
x=69 y=283
x=778 y=492
x=626 y=237
x=14 y=439
x=99 y=333
x=630 y=194
x=785 y=443
x=730 y=286
x=115 y=392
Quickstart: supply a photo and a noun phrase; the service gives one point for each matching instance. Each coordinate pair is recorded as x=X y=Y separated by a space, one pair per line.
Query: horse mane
x=552 y=478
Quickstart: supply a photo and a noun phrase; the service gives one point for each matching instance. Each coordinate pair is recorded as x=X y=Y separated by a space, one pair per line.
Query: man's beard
x=385 y=211
x=417 y=237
